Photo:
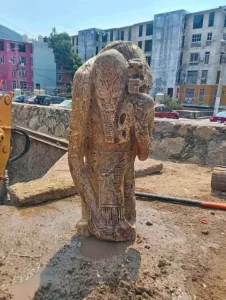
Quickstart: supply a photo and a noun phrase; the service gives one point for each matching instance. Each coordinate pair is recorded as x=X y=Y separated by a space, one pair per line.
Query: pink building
x=15 y=65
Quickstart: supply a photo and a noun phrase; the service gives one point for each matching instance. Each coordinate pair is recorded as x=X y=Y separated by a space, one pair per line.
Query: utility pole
x=221 y=82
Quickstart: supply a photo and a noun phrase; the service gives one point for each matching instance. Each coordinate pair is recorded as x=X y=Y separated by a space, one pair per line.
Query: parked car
x=219 y=117
x=30 y=100
x=42 y=99
x=66 y=104
x=19 y=99
x=55 y=100
x=162 y=111
x=48 y=100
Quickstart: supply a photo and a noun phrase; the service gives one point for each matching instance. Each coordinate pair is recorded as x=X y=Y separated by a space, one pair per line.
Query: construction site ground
x=179 y=252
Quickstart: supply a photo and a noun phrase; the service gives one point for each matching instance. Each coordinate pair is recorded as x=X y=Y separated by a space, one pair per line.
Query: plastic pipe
x=182 y=201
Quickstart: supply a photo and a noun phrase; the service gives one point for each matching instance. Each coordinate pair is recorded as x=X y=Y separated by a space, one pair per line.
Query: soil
x=176 y=255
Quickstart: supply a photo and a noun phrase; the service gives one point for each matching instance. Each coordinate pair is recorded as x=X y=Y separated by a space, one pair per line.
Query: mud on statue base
x=111 y=124
x=121 y=232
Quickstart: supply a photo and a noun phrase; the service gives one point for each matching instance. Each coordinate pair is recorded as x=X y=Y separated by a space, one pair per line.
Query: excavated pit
x=175 y=255
x=34 y=164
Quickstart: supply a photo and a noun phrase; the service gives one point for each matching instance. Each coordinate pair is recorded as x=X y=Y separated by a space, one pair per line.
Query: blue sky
x=38 y=17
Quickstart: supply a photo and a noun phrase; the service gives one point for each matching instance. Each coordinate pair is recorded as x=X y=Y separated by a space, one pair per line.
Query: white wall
x=166 y=49
x=44 y=66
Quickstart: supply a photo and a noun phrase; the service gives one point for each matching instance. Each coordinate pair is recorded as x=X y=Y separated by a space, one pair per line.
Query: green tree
x=62 y=49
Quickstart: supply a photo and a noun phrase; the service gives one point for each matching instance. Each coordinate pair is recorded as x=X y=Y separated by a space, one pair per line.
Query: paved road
x=205 y=122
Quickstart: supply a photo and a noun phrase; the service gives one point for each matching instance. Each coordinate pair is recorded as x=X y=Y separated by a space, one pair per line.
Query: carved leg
x=82 y=225
x=129 y=194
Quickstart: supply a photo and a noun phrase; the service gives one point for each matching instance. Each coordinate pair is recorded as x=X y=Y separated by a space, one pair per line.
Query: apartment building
x=89 y=42
x=203 y=54
x=25 y=63
x=15 y=65
x=185 y=52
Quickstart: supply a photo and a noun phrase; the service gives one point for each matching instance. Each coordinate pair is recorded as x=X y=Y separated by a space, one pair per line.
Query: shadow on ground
x=85 y=265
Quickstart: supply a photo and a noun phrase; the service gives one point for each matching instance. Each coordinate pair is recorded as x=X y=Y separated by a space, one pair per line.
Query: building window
x=13 y=73
x=207 y=58
x=225 y=21
x=198 y=21
x=201 y=94
x=13 y=59
x=4 y=85
x=23 y=60
x=224 y=36
x=221 y=57
x=189 y=95
x=59 y=77
x=96 y=36
x=140 y=30
x=76 y=51
x=209 y=36
x=148 y=59
x=73 y=41
x=214 y=95
x=140 y=44
x=23 y=85
x=14 y=85
x=2 y=59
x=111 y=35
x=97 y=50
x=196 y=38
x=1 y=46
x=12 y=46
x=148 y=46
x=122 y=35
x=129 y=34
x=204 y=76
x=194 y=58
x=181 y=59
x=218 y=77
x=192 y=77
x=149 y=29
x=211 y=19
x=104 y=37
x=76 y=40
x=23 y=73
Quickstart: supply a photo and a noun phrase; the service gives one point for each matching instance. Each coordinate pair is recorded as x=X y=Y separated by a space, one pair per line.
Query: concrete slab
x=57 y=183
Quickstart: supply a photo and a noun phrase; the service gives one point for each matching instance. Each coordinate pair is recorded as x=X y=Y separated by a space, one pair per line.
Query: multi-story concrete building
x=203 y=52
x=89 y=42
x=15 y=65
x=184 y=50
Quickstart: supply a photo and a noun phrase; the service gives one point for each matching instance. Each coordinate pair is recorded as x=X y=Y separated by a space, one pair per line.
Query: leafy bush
x=171 y=103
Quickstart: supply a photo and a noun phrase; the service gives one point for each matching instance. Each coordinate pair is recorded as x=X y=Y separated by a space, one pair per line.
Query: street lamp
x=221 y=80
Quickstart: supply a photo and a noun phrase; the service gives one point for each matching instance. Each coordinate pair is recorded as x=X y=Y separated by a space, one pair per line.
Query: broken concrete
x=57 y=183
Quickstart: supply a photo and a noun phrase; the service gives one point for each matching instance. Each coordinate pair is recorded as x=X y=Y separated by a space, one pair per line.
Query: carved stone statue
x=111 y=123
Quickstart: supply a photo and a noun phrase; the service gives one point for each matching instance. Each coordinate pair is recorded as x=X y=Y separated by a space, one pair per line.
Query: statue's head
x=139 y=72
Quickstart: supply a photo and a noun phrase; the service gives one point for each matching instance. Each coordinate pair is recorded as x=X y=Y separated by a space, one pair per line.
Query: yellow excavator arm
x=5 y=132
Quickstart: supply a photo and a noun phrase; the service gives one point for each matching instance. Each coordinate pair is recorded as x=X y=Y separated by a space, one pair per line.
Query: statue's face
x=134 y=86
x=135 y=76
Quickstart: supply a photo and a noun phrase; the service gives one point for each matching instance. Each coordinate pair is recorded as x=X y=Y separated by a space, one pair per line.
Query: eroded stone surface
x=111 y=123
